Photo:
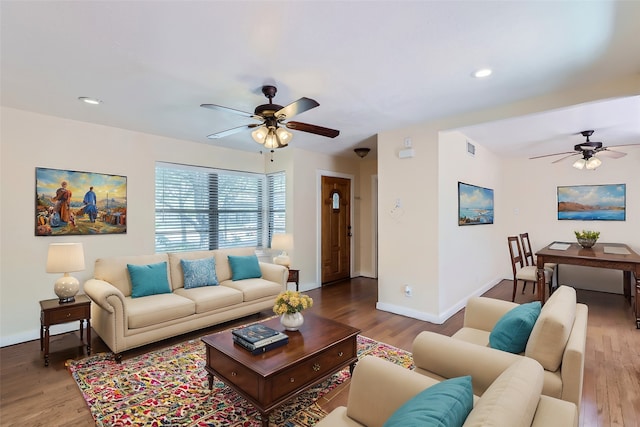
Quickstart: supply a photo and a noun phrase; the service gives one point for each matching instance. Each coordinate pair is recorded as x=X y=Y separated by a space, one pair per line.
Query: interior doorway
x=335 y=232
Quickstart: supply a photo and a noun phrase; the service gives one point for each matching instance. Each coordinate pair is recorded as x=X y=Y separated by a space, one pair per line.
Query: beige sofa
x=557 y=342
x=124 y=322
x=378 y=388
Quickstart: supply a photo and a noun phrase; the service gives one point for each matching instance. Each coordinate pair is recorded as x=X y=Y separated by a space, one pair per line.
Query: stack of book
x=259 y=338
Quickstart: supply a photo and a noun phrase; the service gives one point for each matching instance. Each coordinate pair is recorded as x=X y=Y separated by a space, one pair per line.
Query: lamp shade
x=282 y=241
x=65 y=257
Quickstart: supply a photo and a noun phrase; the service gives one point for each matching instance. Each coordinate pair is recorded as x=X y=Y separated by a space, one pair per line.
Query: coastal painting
x=592 y=202
x=79 y=203
x=475 y=205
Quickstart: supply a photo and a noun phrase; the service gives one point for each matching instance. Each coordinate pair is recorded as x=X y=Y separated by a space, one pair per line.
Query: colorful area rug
x=169 y=387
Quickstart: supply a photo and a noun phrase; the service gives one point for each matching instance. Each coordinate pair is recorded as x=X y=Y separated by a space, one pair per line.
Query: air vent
x=471 y=149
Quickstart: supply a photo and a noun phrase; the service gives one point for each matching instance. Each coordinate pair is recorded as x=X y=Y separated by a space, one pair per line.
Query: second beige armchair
x=557 y=342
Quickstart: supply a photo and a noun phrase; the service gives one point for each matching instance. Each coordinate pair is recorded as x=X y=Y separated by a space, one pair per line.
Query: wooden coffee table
x=319 y=349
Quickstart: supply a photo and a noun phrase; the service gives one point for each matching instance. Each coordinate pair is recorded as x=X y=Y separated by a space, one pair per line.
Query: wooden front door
x=336 y=229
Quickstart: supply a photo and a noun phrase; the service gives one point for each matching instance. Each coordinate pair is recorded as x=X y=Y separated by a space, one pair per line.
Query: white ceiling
x=372 y=66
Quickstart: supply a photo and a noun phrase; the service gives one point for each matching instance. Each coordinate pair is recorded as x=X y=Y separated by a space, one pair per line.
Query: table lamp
x=284 y=243
x=65 y=258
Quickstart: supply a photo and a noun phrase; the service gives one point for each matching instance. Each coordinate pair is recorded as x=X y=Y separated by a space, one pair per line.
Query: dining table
x=615 y=256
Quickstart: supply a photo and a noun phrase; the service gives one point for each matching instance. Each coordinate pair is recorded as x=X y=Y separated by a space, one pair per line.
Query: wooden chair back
x=526 y=249
x=516 y=253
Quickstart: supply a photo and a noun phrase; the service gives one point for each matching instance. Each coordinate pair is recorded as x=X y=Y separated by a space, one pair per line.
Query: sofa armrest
x=100 y=292
x=379 y=387
x=275 y=273
x=572 y=368
x=483 y=313
x=442 y=357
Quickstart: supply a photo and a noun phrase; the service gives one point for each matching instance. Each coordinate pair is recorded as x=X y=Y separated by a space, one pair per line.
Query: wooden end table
x=319 y=349
x=294 y=276
x=54 y=313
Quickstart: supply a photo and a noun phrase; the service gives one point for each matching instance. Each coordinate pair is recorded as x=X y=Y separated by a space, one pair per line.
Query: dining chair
x=529 y=259
x=526 y=273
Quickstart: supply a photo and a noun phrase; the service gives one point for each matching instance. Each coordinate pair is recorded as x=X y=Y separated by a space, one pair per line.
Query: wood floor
x=32 y=395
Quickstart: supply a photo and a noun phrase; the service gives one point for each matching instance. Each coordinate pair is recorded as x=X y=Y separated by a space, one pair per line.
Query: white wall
x=469 y=255
x=31 y=140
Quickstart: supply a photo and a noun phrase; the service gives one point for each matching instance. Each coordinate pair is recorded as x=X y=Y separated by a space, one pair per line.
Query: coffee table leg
x=265 y=419
x=210 y=378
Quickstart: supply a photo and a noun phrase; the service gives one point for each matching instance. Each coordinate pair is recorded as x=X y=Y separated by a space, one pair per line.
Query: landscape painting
x=78 y=203
x=592 y=202
x=475 y=205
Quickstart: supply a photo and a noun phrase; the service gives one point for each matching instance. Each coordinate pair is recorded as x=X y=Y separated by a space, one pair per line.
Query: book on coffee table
x=255 y=333
x=259 y=337
x=264 y=345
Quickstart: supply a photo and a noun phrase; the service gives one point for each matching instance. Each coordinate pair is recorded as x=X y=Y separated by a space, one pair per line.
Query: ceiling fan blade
x=296 y=107
x=230 y=110
x=318 y=130
x=550 y=155
x=611 y=153
x=565 y=157
x=232 y=131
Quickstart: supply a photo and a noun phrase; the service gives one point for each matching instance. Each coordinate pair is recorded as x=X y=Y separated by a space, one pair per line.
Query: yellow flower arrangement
x=291 y=302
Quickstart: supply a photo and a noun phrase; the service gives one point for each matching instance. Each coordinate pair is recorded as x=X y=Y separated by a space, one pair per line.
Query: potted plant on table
x=587 y=238
x=289 y=306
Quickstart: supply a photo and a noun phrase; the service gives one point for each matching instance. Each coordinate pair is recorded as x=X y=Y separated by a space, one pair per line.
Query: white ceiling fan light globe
x=284 y=135
x=593 y=163
x=580 y=164
x=259 y=135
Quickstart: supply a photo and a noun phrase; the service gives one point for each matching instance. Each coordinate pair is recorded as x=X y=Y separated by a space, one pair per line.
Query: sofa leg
x=117 y=357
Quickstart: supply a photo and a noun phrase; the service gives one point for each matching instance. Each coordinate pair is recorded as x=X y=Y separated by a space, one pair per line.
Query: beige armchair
x=378 y=388
x=557 y=342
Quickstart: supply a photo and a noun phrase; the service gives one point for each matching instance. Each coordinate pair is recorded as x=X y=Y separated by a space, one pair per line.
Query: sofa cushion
x=511 y=400
x=552 y=329
x=244 y=267
x=445 y=404
x=156 y=309
x=254 y=289
x=210 y=298
x=149 y=279
x=512 y=331
x=199 y=272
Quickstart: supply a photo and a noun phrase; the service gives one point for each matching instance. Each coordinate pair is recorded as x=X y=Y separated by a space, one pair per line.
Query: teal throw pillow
x=150 y=279
x=199 y=272
x=244 y=267
x=446 y=404
x=512 y=331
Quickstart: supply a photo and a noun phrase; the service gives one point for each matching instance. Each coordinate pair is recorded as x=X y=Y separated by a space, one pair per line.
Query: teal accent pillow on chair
x=512 y=331
x=199 y=272
x=244 y=267
x=446 y=404
x=150 y=279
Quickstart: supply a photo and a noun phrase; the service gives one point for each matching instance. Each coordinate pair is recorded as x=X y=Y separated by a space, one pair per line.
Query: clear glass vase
x=292 y=321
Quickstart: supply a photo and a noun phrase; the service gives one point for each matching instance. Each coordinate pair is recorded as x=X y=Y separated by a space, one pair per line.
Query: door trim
x=319 y=175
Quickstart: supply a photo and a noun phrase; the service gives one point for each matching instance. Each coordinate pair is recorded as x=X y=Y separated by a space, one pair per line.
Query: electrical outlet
x=408 y=291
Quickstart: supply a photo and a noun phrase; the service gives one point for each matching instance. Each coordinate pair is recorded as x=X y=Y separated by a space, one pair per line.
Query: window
x=277 y=196
x=201 y=208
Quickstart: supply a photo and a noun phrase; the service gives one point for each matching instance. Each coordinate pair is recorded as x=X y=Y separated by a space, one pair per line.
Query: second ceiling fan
x=272 y=130
x=588 y=151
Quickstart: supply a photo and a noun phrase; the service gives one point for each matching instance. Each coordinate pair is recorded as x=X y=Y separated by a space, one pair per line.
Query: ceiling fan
x=271 y=131
x=588 y=151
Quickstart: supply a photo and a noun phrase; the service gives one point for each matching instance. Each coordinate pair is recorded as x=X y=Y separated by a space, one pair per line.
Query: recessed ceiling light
x=92 y=101
x=483 y=72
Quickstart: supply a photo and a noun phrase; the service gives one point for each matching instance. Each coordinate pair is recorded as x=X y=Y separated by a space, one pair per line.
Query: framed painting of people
x=79 y=203
x=592 y=202
x=475 y=205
